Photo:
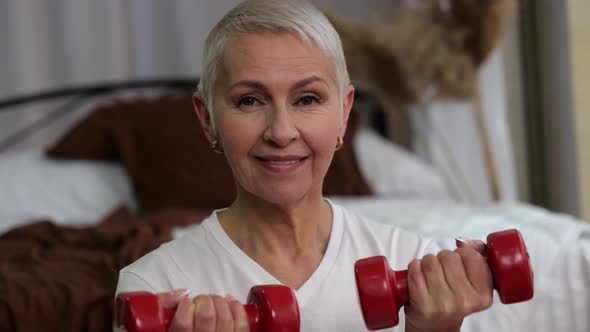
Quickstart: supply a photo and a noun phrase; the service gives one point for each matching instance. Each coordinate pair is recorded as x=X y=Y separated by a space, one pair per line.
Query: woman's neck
x=291 y=237
x=259 y=226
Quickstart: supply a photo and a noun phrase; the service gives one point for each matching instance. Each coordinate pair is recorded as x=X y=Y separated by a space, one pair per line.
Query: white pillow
x=393 y=171
x=33 y=186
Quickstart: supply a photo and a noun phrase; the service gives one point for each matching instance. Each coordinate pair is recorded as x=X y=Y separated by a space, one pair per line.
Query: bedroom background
x=531 y=97
x=68 y=43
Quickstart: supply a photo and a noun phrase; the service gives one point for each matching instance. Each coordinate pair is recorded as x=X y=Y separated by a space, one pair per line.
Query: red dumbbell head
x=141 y=312
x=278 y=310
x=379 y=299
x=509 y=261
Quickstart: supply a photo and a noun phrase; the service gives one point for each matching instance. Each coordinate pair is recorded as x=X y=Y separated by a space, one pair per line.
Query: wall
x=579 y=31
x=515 y=108
x=549 y=103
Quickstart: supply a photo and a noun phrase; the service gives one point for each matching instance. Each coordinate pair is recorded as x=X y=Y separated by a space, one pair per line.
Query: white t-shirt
x=206 y=261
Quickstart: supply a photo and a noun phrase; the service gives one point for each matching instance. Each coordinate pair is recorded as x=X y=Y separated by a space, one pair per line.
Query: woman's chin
x=286 y=197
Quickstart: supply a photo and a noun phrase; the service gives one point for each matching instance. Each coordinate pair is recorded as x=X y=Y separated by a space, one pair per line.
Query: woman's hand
x=207 y=313
x=448 y=287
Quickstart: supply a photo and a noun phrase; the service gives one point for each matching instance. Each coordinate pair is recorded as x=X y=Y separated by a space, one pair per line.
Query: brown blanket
x=56 y=278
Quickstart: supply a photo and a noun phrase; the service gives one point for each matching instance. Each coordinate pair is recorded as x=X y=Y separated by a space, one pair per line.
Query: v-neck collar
x=317 y=277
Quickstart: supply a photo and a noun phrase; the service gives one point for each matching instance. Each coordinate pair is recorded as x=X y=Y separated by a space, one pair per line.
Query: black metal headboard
x=77 y=96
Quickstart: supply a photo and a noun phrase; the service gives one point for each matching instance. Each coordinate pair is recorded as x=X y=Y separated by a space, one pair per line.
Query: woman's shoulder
x=353 y=219
x=373 y=237
x=160 y=267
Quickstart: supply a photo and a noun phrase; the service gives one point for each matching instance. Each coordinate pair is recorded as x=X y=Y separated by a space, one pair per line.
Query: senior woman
x=274 y=98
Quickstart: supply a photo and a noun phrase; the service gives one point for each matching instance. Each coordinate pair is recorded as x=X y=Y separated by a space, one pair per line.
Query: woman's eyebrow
x=250 y=84
x=259 y=86
x=309 y=80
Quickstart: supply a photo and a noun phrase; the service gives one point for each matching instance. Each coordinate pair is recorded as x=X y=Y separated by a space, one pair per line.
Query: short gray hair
x=253 y=16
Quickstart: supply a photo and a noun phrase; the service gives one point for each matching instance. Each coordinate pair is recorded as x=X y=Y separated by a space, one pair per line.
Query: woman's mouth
x=281 y=164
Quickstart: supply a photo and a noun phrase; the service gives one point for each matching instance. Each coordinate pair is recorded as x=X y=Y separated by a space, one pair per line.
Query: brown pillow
x=170 y=161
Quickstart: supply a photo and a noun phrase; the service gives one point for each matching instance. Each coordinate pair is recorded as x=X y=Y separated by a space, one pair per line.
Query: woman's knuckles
x=452 y=306
x=466 y=305
x=470 y=255
x=449 y=258
x=223 y=312
x=183 y=319
x=430 y=264
x=486 y=301
x=204 y=310
x=239 y=314
x=415 y=276
x=242 y=325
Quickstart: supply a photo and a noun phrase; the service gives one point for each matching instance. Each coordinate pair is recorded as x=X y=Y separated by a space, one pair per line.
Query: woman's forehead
x=274 y=57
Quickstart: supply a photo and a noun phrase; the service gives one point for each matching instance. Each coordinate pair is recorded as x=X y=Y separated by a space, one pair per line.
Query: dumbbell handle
x=399 y=280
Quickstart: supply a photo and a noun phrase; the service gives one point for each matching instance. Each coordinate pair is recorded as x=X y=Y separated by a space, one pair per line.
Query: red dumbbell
x=270 y=308
x=382 y=291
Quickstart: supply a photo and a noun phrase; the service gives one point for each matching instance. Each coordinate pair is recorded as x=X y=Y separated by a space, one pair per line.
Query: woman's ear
x=348 y=100
x=204 y=117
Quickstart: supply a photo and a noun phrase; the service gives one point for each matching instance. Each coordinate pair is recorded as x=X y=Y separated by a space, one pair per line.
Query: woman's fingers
x=447 y=287
x=476 y=268
x=427 y=288
x=479 y=275
x=455 y=275
x=184 y=317
x=417 y=284
x=477 y=245
x=239 y=315
x=224 y=320
x=204 y=314
x=172 y=299
x=435 y=278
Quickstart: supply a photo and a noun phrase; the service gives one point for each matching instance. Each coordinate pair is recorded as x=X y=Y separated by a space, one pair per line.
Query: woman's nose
x=281 y=129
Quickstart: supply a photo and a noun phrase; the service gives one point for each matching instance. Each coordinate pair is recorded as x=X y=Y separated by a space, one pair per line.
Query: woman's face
x=277 y=115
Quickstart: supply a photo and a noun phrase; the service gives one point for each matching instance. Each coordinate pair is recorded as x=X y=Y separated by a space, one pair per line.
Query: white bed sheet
x=70 y=192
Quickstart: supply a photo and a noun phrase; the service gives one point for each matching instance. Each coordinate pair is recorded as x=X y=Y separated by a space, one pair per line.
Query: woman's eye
x=248 y=101
x=308 y=100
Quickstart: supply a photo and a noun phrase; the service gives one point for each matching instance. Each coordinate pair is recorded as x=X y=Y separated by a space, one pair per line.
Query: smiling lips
x=281 y=164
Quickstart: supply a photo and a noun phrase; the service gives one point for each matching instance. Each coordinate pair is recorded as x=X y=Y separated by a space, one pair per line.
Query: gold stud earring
x=339 y=143
x=216 y=147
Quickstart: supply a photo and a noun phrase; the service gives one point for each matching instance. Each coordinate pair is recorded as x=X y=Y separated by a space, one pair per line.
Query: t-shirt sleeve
x=131 y=282
x=430 y=246
x=406 y=246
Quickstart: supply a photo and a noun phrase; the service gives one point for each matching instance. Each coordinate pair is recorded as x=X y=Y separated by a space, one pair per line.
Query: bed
x=119 y=182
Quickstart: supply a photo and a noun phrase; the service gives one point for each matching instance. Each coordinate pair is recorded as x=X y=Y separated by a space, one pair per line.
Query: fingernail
x=231 y=298
x=463 y=240
x=180 y=292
